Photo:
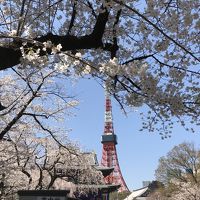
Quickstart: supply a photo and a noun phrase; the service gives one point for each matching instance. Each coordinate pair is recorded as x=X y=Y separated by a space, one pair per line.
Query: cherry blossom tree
x=42 y=163
x=184 y=191
x=147 y=51
x=35 y=103
x=180 y=173
x=187 y=191
x=35 y=152
x=181 y=163
x=156 y=196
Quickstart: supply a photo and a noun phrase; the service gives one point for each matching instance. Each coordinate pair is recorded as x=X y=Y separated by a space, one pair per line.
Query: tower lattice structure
x=109 y=153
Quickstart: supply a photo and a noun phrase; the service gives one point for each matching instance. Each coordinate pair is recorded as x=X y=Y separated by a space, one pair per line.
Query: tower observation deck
x=109 y=152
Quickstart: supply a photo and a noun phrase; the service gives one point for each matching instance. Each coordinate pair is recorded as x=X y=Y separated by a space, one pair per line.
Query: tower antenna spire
x=108 y=126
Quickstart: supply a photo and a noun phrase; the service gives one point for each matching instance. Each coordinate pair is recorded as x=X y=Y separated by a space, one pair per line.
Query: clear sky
x=138 y=152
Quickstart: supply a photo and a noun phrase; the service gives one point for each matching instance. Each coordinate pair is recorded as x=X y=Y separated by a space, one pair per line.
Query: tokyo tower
x=109 y=153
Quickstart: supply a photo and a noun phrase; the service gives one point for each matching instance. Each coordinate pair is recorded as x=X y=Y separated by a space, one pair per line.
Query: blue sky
x=138 y=152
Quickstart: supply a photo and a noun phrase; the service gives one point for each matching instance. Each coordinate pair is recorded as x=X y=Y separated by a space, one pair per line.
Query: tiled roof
x=137 y=193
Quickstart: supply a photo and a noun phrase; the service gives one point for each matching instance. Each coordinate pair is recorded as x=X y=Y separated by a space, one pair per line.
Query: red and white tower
x=109 y=154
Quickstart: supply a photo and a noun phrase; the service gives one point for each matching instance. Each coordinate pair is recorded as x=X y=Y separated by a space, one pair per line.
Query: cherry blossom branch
x=19 y=165
x=68 y=43
x=72 y=18
x=158 y=29
x=20 y=16
x=16 y=118
x=137 y=58
x=21 y=112
x=39 y=185
x=179 y=68
x=93 y=12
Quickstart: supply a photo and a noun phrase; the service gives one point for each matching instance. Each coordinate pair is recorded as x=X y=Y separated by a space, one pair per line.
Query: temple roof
x=105 y=170
x=104 y=188
x=43 y=192
x=92 y=159
x=136 y=193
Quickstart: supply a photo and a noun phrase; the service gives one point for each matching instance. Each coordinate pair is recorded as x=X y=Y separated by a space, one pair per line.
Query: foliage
x=35 y=152
x=119 y=195
x=177 y=191
x=187 y=191
x=181 y=163
x=30 y=163
x=147 y=51
x=163 y=192
x=179 y=170
x=157 y=196
x=36 y=102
